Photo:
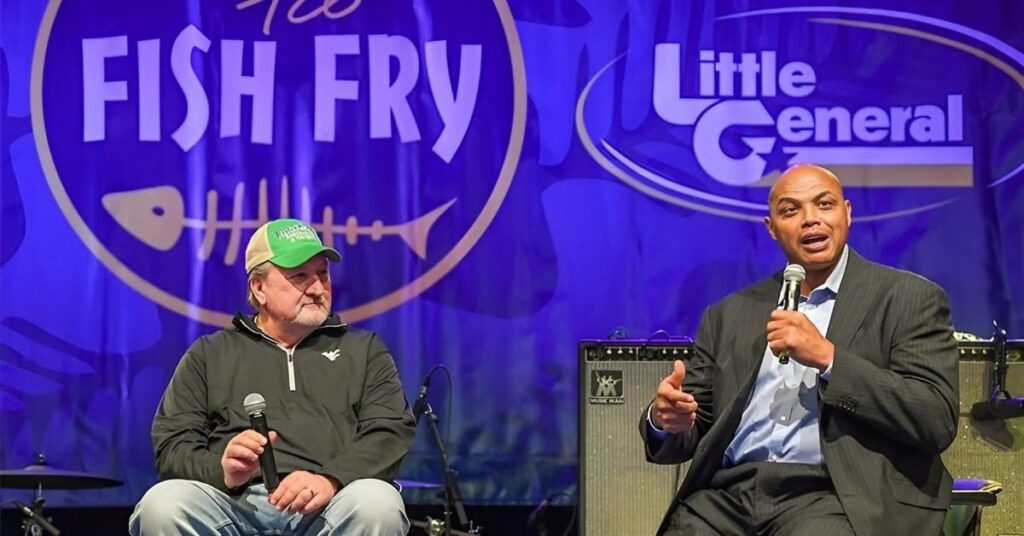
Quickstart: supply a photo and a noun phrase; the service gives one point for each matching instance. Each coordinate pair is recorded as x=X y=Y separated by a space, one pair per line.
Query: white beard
x=311 y=317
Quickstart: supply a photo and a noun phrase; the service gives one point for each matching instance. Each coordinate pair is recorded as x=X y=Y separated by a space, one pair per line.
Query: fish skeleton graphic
x=156 y=216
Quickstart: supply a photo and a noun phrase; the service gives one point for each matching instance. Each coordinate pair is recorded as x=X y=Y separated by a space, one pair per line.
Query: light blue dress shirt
x=780 y=422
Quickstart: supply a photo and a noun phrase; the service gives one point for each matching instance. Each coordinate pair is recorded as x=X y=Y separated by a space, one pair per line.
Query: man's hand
x=673 y=410
x=304 y=492
x=241 y=457
x=793 y=332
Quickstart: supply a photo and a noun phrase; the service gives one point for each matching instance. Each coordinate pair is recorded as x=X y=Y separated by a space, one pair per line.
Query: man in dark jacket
x=339 y=418
x=845 y=438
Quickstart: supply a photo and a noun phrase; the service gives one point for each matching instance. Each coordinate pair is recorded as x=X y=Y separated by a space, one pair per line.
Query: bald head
x=803 y=173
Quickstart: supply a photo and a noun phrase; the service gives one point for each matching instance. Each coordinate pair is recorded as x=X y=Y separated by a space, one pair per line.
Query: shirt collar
x=835 y=279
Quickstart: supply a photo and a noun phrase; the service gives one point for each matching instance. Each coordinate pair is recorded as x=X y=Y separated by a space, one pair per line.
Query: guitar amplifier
x=620 y=492
x=991 y=448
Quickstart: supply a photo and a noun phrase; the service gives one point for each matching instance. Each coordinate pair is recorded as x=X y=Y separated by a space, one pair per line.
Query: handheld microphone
x=254 y=406
x=790 y=298
x=421 y=399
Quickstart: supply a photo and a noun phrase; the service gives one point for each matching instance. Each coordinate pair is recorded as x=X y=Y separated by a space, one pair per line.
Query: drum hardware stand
x=34 y=522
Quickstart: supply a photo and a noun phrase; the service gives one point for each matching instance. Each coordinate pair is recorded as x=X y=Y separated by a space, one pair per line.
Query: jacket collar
x=852 y=301
x=247 y=324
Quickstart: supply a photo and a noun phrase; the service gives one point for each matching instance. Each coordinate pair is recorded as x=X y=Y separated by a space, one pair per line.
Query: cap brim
x=303 y=254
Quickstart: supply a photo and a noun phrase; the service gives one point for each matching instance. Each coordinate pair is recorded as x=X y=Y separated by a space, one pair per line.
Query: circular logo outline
x=374 y=307
x=647 y=179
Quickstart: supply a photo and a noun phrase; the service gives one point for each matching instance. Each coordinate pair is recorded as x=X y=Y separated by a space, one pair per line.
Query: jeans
x=367 y=507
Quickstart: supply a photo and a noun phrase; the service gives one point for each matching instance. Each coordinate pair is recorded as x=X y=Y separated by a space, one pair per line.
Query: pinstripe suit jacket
x=887 y=413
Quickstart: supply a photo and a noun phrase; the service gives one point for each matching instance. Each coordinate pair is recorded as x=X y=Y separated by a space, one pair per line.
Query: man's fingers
x=239 y=452
x=285 y=497
x=249 y=440
x=674 y=412
x=672 y=395
x=246 y=443
x=675 y=408
x=252 y=435
x=306 y=501
x=679 y=423
x=678 y=374
x=685 y=407
x=234 y=465
x=783 y=315
x=302 y=497
x=315 y=504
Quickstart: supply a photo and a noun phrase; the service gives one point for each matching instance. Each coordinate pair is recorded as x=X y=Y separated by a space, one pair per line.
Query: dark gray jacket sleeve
x=182 y=426
x=385 y=426
x=915 y=400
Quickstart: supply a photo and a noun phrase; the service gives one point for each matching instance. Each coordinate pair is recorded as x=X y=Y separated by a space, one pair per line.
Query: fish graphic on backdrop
x=156 y=216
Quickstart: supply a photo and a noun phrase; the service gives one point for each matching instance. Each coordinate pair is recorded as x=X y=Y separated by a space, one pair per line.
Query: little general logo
x=168 y=132
x=734 y=90
x=606 y=387
x=844 y=88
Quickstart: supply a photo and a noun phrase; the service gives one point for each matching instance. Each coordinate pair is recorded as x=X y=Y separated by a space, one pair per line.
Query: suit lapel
x=755 y=338
x=856 y=293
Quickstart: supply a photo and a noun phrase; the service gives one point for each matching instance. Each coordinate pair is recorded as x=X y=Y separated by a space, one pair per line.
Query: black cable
x=655 y=334
x=549 y=500
x=572 y=516
x=447 y=410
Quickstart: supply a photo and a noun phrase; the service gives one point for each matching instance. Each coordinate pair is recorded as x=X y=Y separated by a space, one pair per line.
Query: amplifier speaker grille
x=620 y=493
x=991 y=449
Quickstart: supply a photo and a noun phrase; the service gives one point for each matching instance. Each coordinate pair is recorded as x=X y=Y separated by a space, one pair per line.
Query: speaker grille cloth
x=991 y=449
x=621 y=492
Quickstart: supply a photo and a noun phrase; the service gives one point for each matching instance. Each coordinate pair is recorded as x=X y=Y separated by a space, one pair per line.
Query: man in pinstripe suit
x=846 y=437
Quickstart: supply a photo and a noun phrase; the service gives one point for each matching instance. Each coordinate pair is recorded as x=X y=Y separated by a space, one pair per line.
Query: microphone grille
x=254 y=403
x=794 y=272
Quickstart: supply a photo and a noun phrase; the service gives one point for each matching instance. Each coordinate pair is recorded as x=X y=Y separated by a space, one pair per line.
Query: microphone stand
x=1000 y=404
x=452 y=495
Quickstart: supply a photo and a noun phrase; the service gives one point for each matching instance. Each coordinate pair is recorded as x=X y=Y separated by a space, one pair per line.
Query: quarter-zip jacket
x=334 y=399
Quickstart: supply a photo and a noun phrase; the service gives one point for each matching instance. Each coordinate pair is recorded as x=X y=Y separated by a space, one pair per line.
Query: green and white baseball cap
x=285 y=243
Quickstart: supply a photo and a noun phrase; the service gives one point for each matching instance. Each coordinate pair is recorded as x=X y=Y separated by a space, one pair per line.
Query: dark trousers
x=763 y=498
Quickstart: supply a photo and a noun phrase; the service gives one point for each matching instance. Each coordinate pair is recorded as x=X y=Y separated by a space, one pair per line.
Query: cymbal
x=45 y=476
x=416 y=484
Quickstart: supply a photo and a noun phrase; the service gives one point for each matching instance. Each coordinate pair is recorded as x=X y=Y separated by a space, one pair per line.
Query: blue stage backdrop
x=502 y=178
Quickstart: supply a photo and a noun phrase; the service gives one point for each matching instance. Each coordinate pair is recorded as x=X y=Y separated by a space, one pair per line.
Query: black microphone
x=421 y=399
x=31 y=516
x=254 y=406
x=790 y=299
x=998 y=409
